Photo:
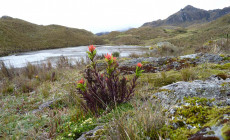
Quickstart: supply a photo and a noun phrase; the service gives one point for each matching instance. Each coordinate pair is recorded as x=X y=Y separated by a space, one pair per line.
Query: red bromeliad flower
x=81 y=81
x=114 y=58
x=108 y=56
x=139 y=65
x=91 y=48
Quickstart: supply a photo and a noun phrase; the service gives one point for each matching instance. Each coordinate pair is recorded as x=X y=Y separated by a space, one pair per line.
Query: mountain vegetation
x=189 y=38
x=19 y=36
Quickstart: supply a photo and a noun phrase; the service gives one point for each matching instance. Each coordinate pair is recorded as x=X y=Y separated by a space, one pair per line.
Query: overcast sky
x=99 y=15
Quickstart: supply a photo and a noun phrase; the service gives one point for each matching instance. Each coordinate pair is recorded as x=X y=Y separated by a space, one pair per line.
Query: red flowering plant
x=81 y=84
x=92 y=53
x=138 y=70
x=103 y=90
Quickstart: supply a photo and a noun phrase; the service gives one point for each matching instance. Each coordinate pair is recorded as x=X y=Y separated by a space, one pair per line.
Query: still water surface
x=73 y=53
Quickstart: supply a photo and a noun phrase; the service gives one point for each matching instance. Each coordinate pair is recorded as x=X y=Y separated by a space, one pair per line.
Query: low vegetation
x=19 y=36
x=208 y=37
x=47 y=102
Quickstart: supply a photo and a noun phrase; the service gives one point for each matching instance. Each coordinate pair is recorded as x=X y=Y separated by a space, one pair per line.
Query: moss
x=151 y=48
x=145 y=62
x=164 y=90
x=205 y=73
x=166 y=78
x=226 y=58
x=181 y=133
x=222 y=67
x=199 y=115
x=226 y=131
x=222 y=55
x=124 y=59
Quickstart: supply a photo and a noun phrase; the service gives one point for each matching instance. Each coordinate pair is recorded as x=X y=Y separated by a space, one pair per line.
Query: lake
x=73 y=53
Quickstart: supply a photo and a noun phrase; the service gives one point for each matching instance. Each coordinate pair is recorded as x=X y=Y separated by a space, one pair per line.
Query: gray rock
x=91 y=133
x=211 y=58
x=44 y=105
x=174 y=94
x=191 y=56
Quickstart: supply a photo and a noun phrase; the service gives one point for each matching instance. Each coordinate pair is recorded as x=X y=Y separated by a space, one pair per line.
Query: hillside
x=17 y=35
x=189 y=38
x=190 y=15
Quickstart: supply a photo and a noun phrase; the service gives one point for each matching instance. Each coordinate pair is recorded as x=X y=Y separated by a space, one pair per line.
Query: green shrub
x=4 y=71
x=222 y=67
x=30 y=70
x=188 y=74
x=134 y=55
x=7 y=88
x=116 y=54
x=164 y=79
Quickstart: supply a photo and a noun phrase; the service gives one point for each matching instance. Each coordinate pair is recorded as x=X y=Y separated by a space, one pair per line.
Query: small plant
x=134 y=55
x=188 y=74
x=102 y=90
x=4 y=71
x=116 y=54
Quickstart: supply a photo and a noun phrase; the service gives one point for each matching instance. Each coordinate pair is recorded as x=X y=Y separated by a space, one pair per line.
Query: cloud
x=99 y=15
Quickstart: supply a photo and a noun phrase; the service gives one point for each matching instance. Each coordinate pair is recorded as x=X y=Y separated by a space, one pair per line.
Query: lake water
x=73 y=53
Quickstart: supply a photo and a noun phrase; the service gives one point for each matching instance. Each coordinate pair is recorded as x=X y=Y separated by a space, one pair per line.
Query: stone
x=174 y=94
x=92 y=134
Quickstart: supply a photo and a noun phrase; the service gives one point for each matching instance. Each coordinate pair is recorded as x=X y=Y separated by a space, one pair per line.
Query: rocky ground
x=207 y=101
x=153 y=64
x=193 y=92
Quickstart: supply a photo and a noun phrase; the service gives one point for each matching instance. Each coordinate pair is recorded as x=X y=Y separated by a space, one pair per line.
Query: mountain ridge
x=190 y=15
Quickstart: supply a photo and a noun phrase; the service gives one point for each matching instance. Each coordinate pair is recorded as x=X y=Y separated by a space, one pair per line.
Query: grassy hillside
x=17 y=35
x=191 y=37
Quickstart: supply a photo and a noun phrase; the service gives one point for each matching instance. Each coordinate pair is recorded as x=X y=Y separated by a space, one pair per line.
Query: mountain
x=102 y=33
x=190 y=15
x=18 y=36
x=121 y=30
x=191 y=37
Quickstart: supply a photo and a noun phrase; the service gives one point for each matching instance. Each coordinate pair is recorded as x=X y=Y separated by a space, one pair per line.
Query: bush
x=106 y=89
x=5 y=72
x=168 y=49
x=134 y=55
x=188 y=74
x=116 y=54
x=30 y=70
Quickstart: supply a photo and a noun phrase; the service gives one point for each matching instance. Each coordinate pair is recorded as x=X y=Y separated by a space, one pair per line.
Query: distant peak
x=6 y=17
x=189 y=7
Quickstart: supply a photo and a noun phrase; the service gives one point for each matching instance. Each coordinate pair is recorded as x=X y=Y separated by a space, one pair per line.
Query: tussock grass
x=143 y=122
